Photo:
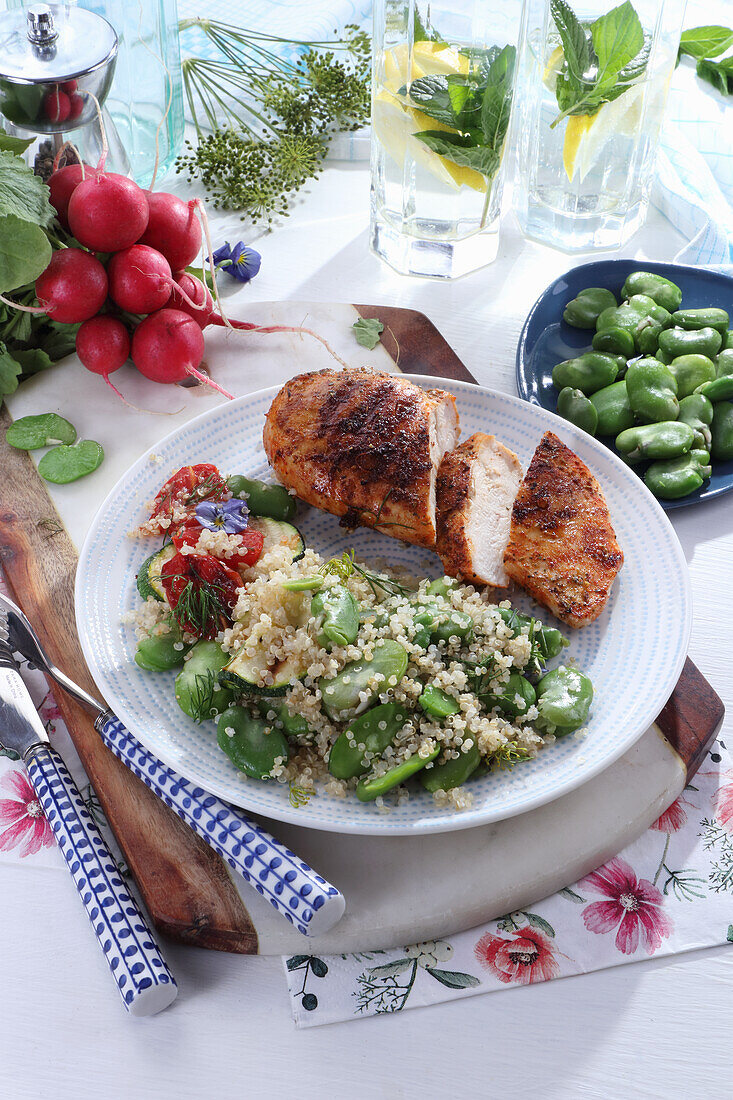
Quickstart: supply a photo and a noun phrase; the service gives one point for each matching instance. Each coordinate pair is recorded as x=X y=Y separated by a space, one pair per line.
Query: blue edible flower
x=240 y=262
x=231 y=517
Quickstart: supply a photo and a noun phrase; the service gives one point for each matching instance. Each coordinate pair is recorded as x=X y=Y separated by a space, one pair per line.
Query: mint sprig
x=600 y=59
x=475 y=106
x=705 y=42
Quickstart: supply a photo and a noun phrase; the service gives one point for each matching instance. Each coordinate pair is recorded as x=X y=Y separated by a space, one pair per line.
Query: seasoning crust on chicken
x=363 y=445
x=562 y=547
x=477 y=485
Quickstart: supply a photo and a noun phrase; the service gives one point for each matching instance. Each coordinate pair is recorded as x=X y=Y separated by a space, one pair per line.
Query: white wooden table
x=645 y=1030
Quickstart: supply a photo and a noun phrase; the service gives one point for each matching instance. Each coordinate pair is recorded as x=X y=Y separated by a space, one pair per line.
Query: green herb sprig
x=600 y=59
x=704 y=44
x=271 y=119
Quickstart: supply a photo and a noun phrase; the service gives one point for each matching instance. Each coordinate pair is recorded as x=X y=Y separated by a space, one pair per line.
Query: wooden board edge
x=692 y=717
x=415 y=344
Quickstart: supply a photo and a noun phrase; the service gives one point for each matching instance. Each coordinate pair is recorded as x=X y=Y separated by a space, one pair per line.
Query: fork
x=295 y=890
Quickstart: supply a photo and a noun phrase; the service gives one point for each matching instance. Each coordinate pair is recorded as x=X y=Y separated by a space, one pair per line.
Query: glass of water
x=592 y=87
x=442 y=85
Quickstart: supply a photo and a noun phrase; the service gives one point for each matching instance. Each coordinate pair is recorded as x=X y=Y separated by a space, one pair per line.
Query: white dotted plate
x=633 y=653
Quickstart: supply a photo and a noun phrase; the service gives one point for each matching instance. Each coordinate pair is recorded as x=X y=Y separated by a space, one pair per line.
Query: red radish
x=139 y=279
x=73 y=287
x=103 y=345
x=69 y=86
x=196 y=291
x=62 y=185
x=76 y=105
x=108 y=212
x=56 y=106
x=173 y=229
x=168 y=346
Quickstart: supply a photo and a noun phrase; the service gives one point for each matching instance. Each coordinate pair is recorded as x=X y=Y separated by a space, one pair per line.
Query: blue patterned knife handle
x=145 y=983
x=293 y=888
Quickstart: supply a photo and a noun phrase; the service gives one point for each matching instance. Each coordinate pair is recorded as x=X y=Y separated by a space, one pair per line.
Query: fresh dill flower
x=270 y=119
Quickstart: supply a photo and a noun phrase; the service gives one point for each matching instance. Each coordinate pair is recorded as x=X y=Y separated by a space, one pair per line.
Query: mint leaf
x=24 y=248
x=497 y=98
x=367 y=331
x=431 y=95
x=22 y=193
x=423 y=33
x=704 y=42
x=9 y=371
x=617 y=39
x=575 y=44
x=462 y=152
x=718 y=73
x=14 y=144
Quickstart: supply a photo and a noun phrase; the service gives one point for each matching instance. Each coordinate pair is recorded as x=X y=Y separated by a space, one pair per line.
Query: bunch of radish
x=146 y=240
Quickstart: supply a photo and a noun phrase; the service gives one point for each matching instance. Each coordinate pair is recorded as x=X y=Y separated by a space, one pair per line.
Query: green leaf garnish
x=23 y=193
x=9 y=371
x=717 y=73
x=367 y=331
x=705 y=42
x=63 y=464
x=31 y=432
x=26 y=250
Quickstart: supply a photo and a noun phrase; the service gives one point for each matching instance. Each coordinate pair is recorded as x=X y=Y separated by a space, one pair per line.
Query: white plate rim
x=451 y=821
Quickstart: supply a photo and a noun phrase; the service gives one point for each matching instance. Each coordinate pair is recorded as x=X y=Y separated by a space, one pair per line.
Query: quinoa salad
x=335 y=674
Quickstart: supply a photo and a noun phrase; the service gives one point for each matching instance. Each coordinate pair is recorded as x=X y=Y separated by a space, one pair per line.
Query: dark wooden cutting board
x=184 y=885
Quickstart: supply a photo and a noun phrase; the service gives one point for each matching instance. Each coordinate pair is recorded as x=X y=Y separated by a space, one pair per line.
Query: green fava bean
x=691 y=372
x=613 y=409
x=614 y=341
x=701 y=456
x=341 y=695
x=680 y=341
x=728 y=340
x=724 y=363
x=161 y=652
x=588 y=372
x=652 y=390
x=697 y=411
x=337 y=614
x=451 y=773
x=515 y=698
x=443 y=586
x=574 y=406
x=253 y=745
x=294 y=725
x=369 y=789
x=647 y=338
x=263 y=499
x=375 y=731
x=702 y=318
x=720 y=389
x=666 y=440
x=584 y=309
x=722 y=446
x=437 y=703
x=550 y=640
x=675 y=478
x=564 y=698
x=663 y=291
x=663 y=357
x=197 y=690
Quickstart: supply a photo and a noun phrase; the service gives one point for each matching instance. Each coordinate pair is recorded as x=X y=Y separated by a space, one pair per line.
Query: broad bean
x=337 y=616
x=697 y=411
x=663 y=291
x=702 y=318
x=613 y=408
x=676 y=477
x=198 y=692
x=374 y=731
x=691 y=372
x=652 y=390
x=515 y=697
x=369 y=789
x=588 y=372
x=614 y=341
x=584 y=309
x=161 y=652
x=437 y=703
x=253 y=745
x=722 y=428
x=263 y=499
x=574 y=406
x=451 y=773
x=664 y=440
x=681 y=341
x=564 y=697
x=341 y=695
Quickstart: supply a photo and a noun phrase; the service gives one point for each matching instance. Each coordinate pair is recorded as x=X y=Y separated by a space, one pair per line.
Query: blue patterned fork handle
x=293 y=888
x=145 y=983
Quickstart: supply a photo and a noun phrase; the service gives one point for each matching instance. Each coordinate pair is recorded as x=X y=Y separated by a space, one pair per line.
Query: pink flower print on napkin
x=529 y=956
x=23 y=824
x=635 y=905
x=724 y=801
x=674 y=817
x=49 y=710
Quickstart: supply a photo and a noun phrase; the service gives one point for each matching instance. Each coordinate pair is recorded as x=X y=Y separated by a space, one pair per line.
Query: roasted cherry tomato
x=202 y=592
x=188 y=486
x=250 y=542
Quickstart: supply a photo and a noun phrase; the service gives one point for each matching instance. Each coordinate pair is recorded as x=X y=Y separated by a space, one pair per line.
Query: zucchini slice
x=148 y=579
x=278 y=533
x=243 y=673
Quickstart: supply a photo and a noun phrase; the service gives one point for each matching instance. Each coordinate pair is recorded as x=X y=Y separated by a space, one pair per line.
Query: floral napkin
x=670 y=891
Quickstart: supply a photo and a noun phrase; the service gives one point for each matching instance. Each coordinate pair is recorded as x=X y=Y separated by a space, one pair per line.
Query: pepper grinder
x=56 y=67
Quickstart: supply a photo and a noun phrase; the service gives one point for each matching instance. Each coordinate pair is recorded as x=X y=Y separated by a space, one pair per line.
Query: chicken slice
x=562 y=546
x=364 y=445
x=477 y=484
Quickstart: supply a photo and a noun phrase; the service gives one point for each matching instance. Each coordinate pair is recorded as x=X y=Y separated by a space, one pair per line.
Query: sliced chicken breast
x=477 y=484
x=364 y=445
x=562 y=547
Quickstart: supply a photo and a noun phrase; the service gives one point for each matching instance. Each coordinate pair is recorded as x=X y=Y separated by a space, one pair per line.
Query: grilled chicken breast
x=477 y=484
x=363 y=445
x=562 y=547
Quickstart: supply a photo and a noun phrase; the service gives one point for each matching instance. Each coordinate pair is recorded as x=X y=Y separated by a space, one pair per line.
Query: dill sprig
x=506 y=756
x=201 y=607
x=380 y=583
x=201 y=695
x=270 y=119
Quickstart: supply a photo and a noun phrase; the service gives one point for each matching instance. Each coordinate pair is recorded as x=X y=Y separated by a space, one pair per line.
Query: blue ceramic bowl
x=546 y=340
